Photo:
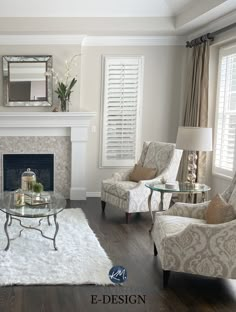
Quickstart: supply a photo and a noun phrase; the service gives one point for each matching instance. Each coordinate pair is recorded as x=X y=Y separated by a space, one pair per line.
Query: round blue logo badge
x=118 y=274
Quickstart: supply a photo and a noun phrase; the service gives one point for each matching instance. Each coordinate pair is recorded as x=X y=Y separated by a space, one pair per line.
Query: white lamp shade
x=194 y=139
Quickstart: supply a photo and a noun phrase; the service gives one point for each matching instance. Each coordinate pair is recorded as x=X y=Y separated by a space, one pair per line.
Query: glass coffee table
x=14 y=213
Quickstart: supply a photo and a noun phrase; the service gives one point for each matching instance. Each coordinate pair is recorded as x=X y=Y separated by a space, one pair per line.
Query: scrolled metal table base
x=8 y=222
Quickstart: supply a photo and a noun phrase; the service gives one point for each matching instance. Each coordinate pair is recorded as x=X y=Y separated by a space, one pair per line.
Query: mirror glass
x=25 y=81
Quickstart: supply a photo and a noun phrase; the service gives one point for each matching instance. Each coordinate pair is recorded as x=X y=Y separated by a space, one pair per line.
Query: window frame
x=217 y=171
x=138 y=115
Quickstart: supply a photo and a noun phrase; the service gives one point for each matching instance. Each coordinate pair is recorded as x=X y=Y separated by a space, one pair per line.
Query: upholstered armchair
x=186 y=243
x=131 y=197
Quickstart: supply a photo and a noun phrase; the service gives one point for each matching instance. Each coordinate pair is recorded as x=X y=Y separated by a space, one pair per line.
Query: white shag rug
x=32 y=260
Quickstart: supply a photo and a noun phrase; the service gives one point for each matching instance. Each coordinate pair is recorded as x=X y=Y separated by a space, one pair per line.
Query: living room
x=117 y=152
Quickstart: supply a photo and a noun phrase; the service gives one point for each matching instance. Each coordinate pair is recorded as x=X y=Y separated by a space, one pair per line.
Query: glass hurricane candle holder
x=28 y=178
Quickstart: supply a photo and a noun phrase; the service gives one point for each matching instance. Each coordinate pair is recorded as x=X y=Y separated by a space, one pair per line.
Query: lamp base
x=192 y=168
x=189 y=185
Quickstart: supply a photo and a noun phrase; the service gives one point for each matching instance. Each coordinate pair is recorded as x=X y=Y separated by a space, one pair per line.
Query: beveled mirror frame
x=7 y=59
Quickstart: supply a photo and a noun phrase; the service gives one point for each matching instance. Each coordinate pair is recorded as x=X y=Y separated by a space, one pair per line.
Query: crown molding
x=91 y=40
x=41 y=39
x=214 y=25
x=133 y=40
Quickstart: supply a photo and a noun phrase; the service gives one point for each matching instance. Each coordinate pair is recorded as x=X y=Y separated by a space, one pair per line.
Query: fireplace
x=15 y=164
x=63 y=134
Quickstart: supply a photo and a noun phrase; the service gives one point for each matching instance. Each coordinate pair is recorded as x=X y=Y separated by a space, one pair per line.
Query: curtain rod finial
x=188 y=44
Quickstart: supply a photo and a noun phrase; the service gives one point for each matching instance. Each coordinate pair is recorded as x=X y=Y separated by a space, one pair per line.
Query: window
x=122 y=92
x=225 y=126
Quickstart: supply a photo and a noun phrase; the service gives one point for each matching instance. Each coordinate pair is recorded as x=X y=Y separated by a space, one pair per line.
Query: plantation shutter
x=122 y=96
x=225 y=130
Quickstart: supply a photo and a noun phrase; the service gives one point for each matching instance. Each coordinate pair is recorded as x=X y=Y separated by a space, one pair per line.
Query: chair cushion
x=166 y=225
x=219 y=211
x=119 y=189
x=142 y=173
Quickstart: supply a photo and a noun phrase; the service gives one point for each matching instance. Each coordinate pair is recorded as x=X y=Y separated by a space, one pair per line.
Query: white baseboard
x=77 y=193
x=93 y=194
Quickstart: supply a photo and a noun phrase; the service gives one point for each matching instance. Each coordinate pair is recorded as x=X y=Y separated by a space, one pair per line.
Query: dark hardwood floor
x=130 y=246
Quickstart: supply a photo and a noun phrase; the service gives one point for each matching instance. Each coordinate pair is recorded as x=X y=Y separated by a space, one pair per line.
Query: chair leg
x=166 y=275
x=103 y=205
x=155 y=250
x=127 y=217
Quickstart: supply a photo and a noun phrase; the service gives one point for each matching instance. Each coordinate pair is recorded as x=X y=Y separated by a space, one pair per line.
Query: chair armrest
x=187 y=210
x=141 y=188
x=205 y=249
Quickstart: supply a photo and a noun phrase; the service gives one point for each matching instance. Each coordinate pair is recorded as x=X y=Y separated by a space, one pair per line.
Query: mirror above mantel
x=25 y=82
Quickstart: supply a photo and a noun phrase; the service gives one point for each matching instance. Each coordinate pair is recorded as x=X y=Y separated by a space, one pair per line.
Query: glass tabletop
x=179 y=188
x=57 y=204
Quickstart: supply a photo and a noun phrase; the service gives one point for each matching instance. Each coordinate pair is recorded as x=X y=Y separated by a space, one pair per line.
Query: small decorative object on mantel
x=28 y=178
x=55 y=109
x=66 y=84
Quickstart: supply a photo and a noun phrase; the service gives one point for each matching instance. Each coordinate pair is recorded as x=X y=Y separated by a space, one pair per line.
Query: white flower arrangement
x=65 y=84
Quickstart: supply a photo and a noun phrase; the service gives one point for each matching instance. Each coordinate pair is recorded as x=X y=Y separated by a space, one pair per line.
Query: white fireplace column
x=79 y=138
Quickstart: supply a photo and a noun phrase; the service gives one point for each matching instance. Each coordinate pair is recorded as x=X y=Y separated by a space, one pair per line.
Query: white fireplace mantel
x=73 y=124
x=45 y=119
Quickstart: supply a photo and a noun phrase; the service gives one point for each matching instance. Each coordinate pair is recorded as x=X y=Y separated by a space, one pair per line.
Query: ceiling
x=92 y=8
x=111 y=17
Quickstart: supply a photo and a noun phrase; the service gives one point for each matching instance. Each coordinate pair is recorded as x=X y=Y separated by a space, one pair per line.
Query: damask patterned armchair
x=132 y=197
x=186 y=243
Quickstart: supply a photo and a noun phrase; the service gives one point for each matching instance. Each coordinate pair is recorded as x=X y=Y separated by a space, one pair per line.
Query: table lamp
x=194 y=139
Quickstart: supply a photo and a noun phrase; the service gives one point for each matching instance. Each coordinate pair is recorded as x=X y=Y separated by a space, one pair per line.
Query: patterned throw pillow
x=142 y=173
x=219 y=211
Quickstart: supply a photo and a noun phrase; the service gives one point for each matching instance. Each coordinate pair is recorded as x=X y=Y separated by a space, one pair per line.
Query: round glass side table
x=180 y=188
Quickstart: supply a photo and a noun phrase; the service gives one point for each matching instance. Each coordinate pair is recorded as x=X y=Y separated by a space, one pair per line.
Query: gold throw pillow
x=142 y=173
x=219 y=211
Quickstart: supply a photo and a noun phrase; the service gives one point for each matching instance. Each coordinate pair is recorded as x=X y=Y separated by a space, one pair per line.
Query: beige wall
x=162 y=97
x=60 y=53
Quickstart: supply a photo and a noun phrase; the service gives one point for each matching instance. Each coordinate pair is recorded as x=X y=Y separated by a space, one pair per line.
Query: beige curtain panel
x=196 y=109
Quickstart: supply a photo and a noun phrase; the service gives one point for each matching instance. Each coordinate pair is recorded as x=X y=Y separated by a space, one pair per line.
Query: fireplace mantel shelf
x=73 y=124
x=45 y=119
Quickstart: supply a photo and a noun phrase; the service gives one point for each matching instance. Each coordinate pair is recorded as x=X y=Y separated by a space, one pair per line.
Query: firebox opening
x=15 y=164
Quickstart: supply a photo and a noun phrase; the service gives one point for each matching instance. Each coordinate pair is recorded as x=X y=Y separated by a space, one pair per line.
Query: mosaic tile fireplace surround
x=64 y=135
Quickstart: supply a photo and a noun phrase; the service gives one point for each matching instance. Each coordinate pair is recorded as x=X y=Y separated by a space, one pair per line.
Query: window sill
x=222 y=176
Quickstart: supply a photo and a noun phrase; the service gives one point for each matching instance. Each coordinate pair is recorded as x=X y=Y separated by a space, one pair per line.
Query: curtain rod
x=208 y=36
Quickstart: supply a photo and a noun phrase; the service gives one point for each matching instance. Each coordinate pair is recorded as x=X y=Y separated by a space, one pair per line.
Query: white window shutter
x=123 y=79
x=225 y=125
